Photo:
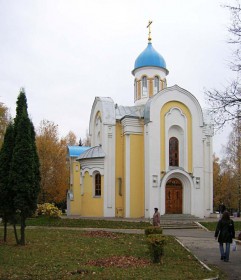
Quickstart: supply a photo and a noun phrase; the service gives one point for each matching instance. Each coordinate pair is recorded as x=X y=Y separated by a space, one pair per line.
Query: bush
x=156 y=244
x=48 y=209
x=153 y=230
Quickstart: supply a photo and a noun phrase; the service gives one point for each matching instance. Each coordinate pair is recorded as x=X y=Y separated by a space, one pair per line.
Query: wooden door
x=174 y=196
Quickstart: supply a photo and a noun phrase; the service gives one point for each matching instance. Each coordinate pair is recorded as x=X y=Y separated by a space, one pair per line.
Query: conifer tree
x=24 y=176
x=6 y=196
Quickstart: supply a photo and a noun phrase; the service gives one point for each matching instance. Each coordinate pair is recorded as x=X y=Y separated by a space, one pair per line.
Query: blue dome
x=149 y=57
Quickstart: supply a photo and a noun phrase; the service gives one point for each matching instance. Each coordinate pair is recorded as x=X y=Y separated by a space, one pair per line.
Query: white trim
x=93 y=185
x=132 y=125
x=147 y=170
x=187 y=186
x=127 y=176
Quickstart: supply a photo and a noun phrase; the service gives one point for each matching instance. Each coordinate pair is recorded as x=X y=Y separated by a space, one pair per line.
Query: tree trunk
x=15 y=233
x=22 y=230
x=5 y=229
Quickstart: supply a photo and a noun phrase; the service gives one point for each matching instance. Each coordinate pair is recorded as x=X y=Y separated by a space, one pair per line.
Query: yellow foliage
x=48 y=209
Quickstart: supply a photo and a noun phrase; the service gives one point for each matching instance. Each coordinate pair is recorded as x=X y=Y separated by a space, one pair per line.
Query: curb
x=201 y=226
x=202 y=263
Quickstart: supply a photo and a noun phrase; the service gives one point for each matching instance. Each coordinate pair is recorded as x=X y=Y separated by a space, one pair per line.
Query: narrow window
x=144 y=86
x=97 y=184
x=173 y=152
x=156 y=84
x=135 y=90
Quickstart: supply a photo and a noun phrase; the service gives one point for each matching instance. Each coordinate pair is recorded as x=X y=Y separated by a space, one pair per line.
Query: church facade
x=156 y=153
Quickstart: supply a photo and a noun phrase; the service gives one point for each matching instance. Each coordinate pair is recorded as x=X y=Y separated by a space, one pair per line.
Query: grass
x=85 y=223
x=63 y=254
x=212 y=225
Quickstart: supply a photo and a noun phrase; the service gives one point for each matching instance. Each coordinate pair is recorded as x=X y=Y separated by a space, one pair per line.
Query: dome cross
x=149 y=33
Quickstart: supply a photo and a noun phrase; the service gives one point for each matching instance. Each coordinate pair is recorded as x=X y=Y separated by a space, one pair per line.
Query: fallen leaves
x=101 y=233
x=119 y=261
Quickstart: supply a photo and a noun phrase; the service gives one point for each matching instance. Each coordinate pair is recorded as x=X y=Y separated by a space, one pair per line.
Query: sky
x=66 y=52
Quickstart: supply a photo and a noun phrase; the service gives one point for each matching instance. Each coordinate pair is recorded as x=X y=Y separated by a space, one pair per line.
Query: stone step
x=179 y=217
x=179 y=221
x=180 y=226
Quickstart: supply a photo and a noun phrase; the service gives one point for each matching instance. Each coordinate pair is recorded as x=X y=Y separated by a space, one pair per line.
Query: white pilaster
x=127 y=171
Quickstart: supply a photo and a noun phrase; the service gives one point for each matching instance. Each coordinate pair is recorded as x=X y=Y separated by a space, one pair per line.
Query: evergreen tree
x=24 y=175
x=6 y=196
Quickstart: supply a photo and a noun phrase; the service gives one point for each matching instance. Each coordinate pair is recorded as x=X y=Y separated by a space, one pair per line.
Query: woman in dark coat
x=225 y=233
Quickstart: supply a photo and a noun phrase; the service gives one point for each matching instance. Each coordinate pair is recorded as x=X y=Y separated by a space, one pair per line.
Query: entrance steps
x=179 y=221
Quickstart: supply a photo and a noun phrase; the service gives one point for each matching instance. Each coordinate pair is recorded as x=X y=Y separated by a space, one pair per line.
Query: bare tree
x=225 y=103
x=87 y=141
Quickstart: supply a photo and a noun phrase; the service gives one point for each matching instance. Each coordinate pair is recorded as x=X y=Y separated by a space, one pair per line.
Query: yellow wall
x=166 y=108
x=119 y=196
x=92 y=206
x=75 y=205
x=137 y=176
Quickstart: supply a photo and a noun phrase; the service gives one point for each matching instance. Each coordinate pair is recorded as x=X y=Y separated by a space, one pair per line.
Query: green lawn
x=85 y=223
x=212 y=226
x=75 y=254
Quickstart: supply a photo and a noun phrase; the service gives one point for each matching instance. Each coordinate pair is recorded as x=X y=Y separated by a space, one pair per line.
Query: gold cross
x=149 y=33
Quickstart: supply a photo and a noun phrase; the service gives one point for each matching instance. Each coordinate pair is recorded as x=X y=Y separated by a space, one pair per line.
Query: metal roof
x=75 y=151
x=94 y=152
x=149 y=57
x=130 y=111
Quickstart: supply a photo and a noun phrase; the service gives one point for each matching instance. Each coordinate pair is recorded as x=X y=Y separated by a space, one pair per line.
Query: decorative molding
x=132 y=126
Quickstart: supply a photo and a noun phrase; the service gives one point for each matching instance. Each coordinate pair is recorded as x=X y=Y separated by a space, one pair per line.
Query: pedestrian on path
x=222 y=209
x=225 y=233
x=156 y=218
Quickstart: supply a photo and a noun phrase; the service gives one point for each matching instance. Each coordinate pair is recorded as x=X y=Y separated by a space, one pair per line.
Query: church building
x=156 y=153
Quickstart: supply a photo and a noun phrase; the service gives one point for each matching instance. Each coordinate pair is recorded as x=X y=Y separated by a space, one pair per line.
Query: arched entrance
x=173 y=196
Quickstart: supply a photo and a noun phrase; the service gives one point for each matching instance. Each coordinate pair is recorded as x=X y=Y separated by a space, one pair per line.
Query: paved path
x=204 y=246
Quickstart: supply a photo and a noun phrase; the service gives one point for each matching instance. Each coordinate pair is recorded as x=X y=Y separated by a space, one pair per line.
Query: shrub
x=153 y=230
x=48 y=209
x=156 y=244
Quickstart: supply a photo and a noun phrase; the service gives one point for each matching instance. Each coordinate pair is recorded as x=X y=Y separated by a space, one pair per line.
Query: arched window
x=156 y=84
x=173 y=152
x=97 y=184
x=144 y=86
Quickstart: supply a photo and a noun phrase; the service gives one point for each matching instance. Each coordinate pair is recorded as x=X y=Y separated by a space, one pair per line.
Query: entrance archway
x=174 y=195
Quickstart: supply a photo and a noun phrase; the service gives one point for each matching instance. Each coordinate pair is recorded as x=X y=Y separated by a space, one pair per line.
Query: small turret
x=150 y=73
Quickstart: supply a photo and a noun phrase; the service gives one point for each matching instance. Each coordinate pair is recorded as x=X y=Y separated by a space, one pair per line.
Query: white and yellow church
x=156 y=153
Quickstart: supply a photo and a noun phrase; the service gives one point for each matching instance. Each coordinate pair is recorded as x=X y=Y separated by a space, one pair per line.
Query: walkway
x=204 y=246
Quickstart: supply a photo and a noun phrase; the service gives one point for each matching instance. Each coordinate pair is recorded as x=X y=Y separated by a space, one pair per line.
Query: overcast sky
x=64 y=53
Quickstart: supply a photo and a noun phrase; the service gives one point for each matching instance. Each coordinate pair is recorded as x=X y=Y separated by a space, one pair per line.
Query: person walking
x=156 y=218
x=225 y=233
x=222 y=209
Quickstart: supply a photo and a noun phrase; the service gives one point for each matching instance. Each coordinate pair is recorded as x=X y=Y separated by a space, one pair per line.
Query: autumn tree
x=225 y=103
x=53 y=169
x=233 y=158
x=70 y=139
x=217 y=183
x=4 y=120
x=24 y=174
x=223 y=184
